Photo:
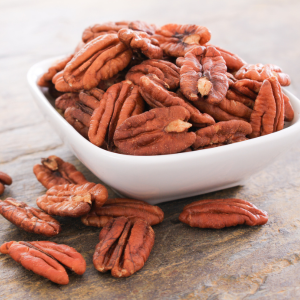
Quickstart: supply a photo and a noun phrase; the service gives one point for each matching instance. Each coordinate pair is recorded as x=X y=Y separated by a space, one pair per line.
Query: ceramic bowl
x=162 y=178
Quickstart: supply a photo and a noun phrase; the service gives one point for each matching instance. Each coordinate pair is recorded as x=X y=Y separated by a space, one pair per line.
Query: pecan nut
x=119 y=207
x=61 y=85
x=55 y=171
x=268 y=111
x=164 y=70
x=288 y=109
x=100 y=59
x=124 y=246
x=66 y=100
x=140 y=41
x=71 y=200
x=220 y=213
x=44 y=258
x=4 y=180
x=142 y=26
x=176 y=40
x=155 y=132
x=222 y=133
x=29 y=218
x=260 y=72
x=155 y=93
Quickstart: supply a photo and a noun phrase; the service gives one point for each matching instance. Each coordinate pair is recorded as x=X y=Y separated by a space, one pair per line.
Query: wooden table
x=185 y=263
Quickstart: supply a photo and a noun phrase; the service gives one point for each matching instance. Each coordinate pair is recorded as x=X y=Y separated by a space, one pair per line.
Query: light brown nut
x=119 y=207
x=61 y=85
x=140 y=41
x=142 y=26
x=220 y=213
x=155 y=93
x=268 y=111
x=29 y=218
x=222 y=133
x=100 y=59
x=237 y=96
x=5 y=179
x=260 y=72
x=288 y=110
x=176 y=39
x=55 y=171
x=124 y=247
x=71 y=200
x=155 y=132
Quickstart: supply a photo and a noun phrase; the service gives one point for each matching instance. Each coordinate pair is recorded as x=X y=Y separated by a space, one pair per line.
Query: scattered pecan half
x=71 y=200
x=221 y=133
x=142 y=26
x=155 y=132
x=55 y=171
x=268 y=111
x=155 y=93
x=119 y=102
x=102 y=29
x=140 y=41
x=100 y=59
x=4 y=180
x=29 y=218
x=260 y=72
x=220 y=213
x=124 y=246
x=164 y=70
x=119 y=207
x=44 y=258
x=176 y=40
x=58 y=66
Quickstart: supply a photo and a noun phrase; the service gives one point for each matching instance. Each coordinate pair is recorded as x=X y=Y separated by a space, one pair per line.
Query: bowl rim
x=166 y=158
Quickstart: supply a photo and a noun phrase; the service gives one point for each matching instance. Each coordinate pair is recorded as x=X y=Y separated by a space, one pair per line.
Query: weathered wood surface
x=186 y=263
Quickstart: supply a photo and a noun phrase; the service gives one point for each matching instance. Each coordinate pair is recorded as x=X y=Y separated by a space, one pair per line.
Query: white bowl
x=162 y=178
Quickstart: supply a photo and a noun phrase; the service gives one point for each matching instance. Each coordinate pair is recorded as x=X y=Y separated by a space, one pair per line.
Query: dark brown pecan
x=55 y=171
x=58 y=66
x=71 y=200
x=4 y=180
x=119 y=102
x=119 y=207
x=29 y=218
x=124 y=246
x=220 y=213
x=233 y=61
x=155 y=93
x=268 y=111
x=43 y=259
x=176 y=40
x=164 y=70
x=140 y=41
x=102 y=29
x=100 y=59
x=260 y=72
x=66 y=100
x=142 y=26
x=222 y=133
x=105 y=84
x=155 y=132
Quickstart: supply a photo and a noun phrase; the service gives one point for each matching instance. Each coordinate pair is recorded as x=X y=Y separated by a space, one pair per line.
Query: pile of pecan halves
x=136 y=89
x=127 y=237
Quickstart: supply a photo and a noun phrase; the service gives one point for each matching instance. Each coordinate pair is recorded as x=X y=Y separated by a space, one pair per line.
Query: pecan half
x=140 y=41
x=176 y=40
x=288 y=109
x=43 y=259
x=100 y=59
x=58 y=66
x=155 y=132
x=222 y=133
x=29 y=218
x=155 y=93
x=71 y=200
x=124 y=246
x=260 y=72
x=66 y=100
x=164 y=70
x=119 y=207
x=61 y=85
x=119 y=102
x=236 y=96
x=4 y=180
x=102 y=29
x=268 y=111
x=55 y=171
x=142 y=26
x=220 y=213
